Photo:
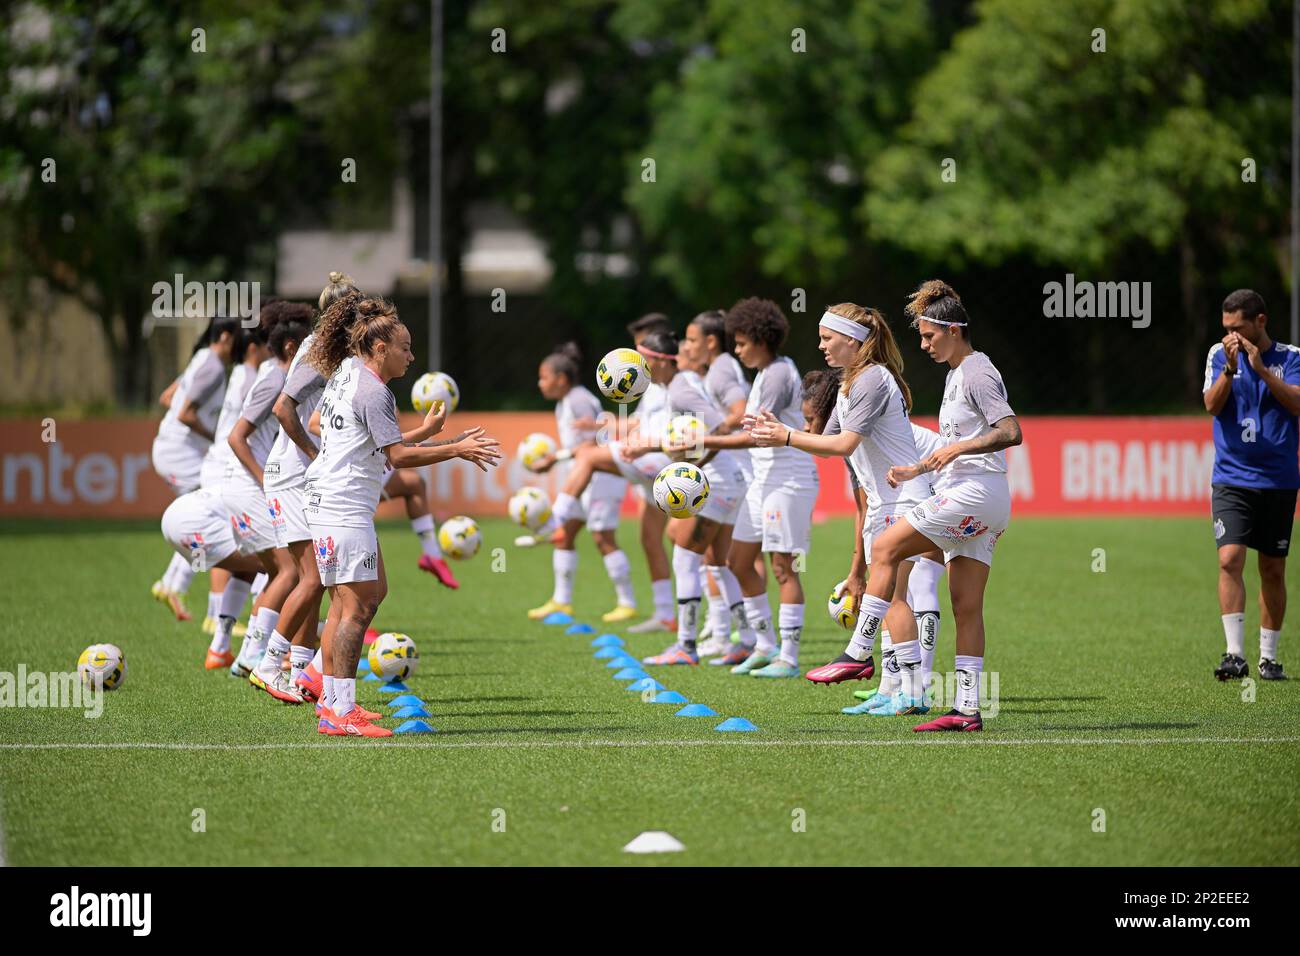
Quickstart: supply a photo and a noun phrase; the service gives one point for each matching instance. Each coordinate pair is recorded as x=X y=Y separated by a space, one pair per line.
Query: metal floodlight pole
x=435 y=187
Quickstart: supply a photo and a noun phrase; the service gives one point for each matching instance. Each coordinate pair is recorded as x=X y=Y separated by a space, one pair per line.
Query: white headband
x=844 y=326
x=926 y=318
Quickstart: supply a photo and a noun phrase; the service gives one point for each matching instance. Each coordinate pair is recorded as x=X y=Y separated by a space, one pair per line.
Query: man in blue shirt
x=1252 y=388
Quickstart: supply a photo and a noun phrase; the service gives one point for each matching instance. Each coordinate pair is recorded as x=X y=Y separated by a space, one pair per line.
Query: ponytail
x=352 y=325
x=566 y=360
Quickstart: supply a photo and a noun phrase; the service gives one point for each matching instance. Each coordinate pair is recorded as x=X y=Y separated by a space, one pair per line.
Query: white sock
x=327 y=683
x=663 y=599
x=169 y=576
x=1234 y=629
x=267 y=620
x=619 y=570
x=1268 y=643
x=759 y=614
x=566 y=506
x=908 y=656
x=871 y=615
x=564 y=565
x=180 y=573
x=320 y=629
x=790 y=621
x=318 y=661
x=889 y=679
x=424 y=530
x=276 y=648
x=923 y=585
x=299 y=657
x=736 y=601
x=259 y=583
x=686 y=570
x=233 y=598
x=968 y=683
x=719 y=606
x=221 y=637
x=345 y=695
x=214 y=604
x=927 y=631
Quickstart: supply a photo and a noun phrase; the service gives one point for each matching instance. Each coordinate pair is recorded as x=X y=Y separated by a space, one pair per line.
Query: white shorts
x=641 y=471
x=288 y=521
x=726 y=492
x=211 y=472
x=179 y=466
x=779 y=516
x=602 y=501
x=198 y=526
x=345 y=555
x=966 y=519
x=250 y=517
x=876 y=524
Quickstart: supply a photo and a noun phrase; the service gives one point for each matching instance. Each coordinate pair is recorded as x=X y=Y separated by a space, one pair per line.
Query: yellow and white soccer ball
x=681 y=490
x=460 y=537
x=529 y=507
x=535 y=447
x=843 y=606
x=434 y=387
x=393 y=656
x=685 y=430
x=102 y=665
x=623 y=375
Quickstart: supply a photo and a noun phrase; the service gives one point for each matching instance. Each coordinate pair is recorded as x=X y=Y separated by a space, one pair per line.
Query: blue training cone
x=624 y=661
x=607 y=640
x=405 y=700
x=631 y=673
x=735 y=725
x=581 y=629
x=414 y=727
x=645 y=683
x=610 y=652
x=393 y=687
x=411 y=710
x=558 y=617
x=371 y=676
x=363 y=664
x=696 y=710
x=668 y=697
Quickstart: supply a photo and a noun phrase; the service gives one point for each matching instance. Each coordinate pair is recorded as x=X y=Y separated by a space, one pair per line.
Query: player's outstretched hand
x=436 y=417
x=766 y=430
x=898 y=474
x=479 y=448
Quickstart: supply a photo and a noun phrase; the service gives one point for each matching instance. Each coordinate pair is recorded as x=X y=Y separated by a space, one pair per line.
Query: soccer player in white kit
x=185 y=434
x=577 y=412
x=968 y=516
x=360 y=346
x=869 y=426
x=776 y=516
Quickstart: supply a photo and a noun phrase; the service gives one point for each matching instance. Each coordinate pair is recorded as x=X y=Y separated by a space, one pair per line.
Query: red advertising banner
x=1066 y=466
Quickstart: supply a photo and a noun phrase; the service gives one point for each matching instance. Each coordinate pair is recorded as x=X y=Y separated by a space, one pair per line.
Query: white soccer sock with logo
x=889 y=679
x=759 y=614
x=345 y=695
x=923 y=598
x=1268 y=643
x=428 y=535
x=719 y=606
x=276 y=648
x=564 y=566
x=871 y=615
x=968 y=683
x=908 y=656
x=686 y=570
x=663 y=599
x=736 y=602
x=214 y=604
x=1234 y=629
x=299 y=657
x=619 y=570
x=232 y=599
x=259 y=583
x=327 y=700
x=927 y=632
x=221 y=636
x=790 y=621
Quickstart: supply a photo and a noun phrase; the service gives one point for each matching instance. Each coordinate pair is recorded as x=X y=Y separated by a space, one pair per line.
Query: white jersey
x=652 y=412
x=214 y=462
x=257 y=412
x=778 y=390
x=688 y=395
x=581 y=403
x=358 y=419
x=286 y=465
x=726 y=381
x=203 y=382
x=974 y=398
x=875 y=409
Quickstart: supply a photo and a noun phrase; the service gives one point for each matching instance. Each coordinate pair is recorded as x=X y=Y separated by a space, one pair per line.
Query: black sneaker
x=1270 y=670
x=1232 y=667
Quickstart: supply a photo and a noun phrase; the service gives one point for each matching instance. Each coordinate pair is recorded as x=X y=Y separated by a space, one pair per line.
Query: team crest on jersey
x=1277 y=370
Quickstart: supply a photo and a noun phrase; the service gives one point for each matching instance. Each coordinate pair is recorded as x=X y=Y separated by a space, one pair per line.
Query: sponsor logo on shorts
x=327 y=558
x=773 y=516
x=1283 y=543
x=270 y=469
x=242 y=524
x=313 y=501
x=192 y=541
x=891 y=520
x=970 y=527
x=1219 y=529
x=277 y=512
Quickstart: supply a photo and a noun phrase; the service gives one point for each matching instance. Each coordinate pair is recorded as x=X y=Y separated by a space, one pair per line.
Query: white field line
x=964 y=740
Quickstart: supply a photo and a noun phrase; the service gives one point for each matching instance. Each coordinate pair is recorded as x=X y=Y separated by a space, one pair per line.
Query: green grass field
x=1106 y=701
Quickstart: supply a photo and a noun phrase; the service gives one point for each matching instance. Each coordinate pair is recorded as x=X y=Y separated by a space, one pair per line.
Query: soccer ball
x=623 y=375
x=102 y=665
x=434 y=387
x=460 y=537
x=535 y=447
x=530 y=507
x=685 y=430
x=681 y=490
x=393 y=657
x=843 y=606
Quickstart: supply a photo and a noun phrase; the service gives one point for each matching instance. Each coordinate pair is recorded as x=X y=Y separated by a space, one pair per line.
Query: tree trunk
x=1194 y=310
